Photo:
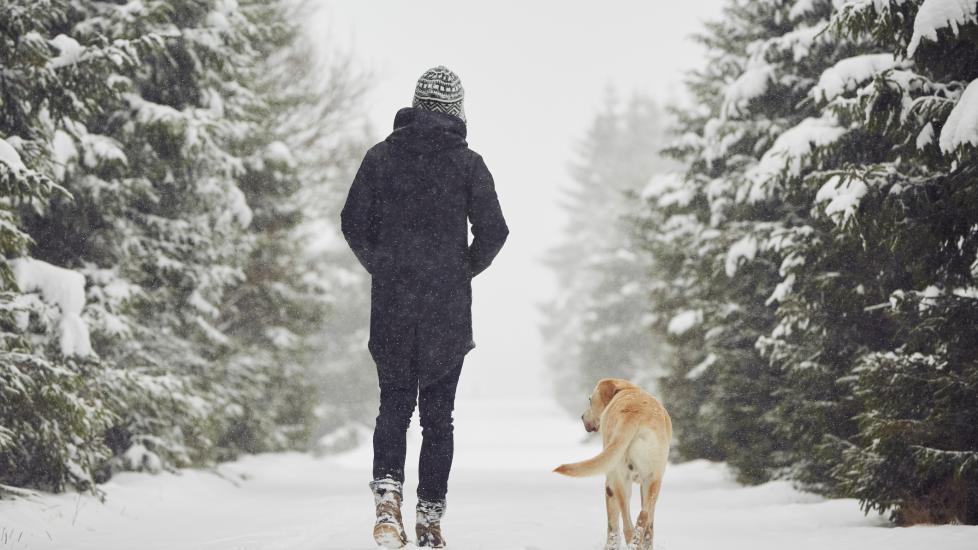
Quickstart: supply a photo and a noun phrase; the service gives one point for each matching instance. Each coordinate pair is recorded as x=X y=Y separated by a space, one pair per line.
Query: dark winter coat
x=406 y=219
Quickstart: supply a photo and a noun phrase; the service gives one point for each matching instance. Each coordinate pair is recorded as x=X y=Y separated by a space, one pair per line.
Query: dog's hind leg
x=614 y=516
x=623 y=493
x=642 y=538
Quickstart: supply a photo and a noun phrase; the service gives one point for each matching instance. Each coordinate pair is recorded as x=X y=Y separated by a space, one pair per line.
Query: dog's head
x=599 y=399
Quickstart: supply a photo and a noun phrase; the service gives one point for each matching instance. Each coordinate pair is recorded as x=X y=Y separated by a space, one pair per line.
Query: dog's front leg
x=614 y=516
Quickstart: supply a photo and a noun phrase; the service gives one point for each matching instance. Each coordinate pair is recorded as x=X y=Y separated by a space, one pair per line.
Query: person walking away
x=407 y=220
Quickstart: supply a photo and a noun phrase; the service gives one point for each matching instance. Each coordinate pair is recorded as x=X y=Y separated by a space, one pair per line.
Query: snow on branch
x=842 y=194
x=848 y=73
x=925 y=137
x=961 y=127
x=743 y=250
x=683 y=321
x=19 y=180
x=935 y=15
x=801 y=8
x=279 y=152
x=10 y=156
x=669 y=189
x=751 y=84
x=101 y=149
x=661 y=184
x=799 y=41
x=69 y=51
x=788 y=153
x=61 y=287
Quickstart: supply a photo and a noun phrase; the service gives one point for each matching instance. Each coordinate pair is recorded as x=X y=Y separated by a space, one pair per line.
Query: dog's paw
x=640 y=544
x=613 y=542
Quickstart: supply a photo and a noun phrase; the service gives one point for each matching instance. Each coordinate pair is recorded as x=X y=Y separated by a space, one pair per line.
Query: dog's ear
x=607 y=390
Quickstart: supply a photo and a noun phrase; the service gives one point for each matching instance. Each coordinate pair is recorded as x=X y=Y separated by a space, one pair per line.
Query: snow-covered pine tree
x=802 y=402
x=716 y=252
x=833 y=180
x=52 y=415
x=277 y=315
x=880 y=293
x=598 y=325
x=159 y=118
x=157 y=221
x=666 y=223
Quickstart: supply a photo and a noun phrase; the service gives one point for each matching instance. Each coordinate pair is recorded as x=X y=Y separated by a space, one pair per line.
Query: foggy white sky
x=534 y=72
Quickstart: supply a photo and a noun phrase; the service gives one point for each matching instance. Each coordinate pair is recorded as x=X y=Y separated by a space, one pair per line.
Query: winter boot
x=388 y=531
x=428 y=527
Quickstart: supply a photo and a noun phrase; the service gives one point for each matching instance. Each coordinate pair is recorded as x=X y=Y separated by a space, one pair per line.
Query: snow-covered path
x=503 y=497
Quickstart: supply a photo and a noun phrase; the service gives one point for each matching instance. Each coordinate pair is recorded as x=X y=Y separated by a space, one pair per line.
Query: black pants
x=436 y=402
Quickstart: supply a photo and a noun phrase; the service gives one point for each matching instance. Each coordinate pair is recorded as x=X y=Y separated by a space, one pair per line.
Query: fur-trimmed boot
x=428 y=527
x=388 y=531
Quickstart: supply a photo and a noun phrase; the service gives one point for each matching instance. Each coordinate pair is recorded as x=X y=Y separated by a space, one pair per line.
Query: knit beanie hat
x=440 y=90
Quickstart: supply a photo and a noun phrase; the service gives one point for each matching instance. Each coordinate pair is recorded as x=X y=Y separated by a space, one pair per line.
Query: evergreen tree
x=158 y=219
x=895 y=232
x=52 y=417
x=162 y=145
x=277 y=317
x=831 y=179
x=713 y=235
x=598 y=324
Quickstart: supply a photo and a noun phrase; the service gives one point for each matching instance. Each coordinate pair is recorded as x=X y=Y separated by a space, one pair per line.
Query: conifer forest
x=163 y=299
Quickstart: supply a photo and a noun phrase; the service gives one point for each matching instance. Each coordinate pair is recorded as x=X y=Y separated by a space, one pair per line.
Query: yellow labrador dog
x=636 y=430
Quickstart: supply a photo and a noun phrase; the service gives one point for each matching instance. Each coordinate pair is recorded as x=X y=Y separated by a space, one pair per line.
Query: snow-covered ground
x=503 y=497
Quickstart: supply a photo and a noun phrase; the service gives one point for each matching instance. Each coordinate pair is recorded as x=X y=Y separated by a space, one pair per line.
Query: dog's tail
x=606 y=459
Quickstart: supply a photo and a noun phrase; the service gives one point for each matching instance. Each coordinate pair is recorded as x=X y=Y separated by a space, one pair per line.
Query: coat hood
x=422 y=131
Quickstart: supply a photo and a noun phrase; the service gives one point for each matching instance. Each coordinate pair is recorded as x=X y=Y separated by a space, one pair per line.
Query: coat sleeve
x=357 y=219
x=489 y=228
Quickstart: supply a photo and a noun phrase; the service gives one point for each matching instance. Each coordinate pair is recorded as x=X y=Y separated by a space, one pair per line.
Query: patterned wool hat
x=440 y=90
